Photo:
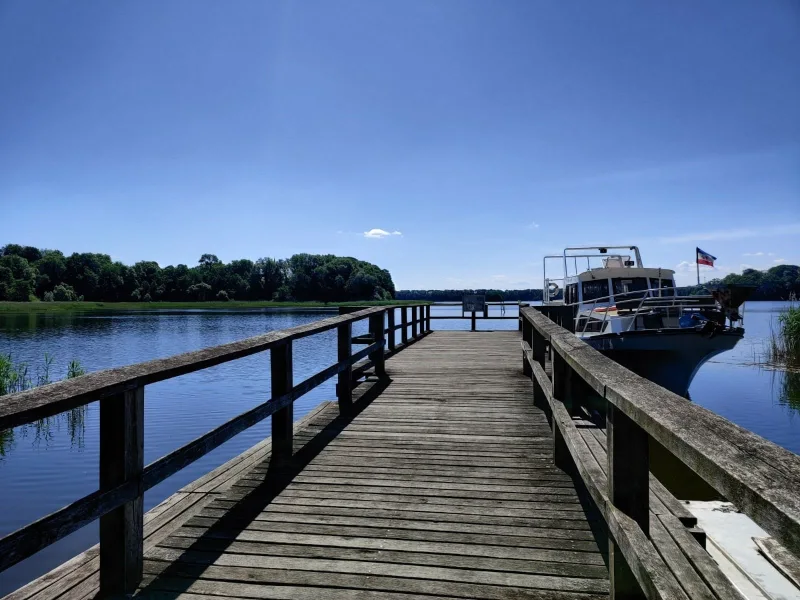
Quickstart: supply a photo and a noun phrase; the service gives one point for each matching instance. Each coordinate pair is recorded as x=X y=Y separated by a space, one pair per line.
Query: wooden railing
x=473 y=316
x=759 y=477
x=124 y=478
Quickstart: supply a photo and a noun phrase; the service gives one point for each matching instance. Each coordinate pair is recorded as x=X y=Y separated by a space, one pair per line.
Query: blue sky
x=485 y=133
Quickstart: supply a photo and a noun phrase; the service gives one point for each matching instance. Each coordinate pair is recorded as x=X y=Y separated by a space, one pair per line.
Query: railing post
x=390 y=326
x=404 y=323
x=628 y=490
x=414 y=322
x=344 y=385
x=527 y=336
x=428 y=317
x=473 y=320
x=121 y=461
x=280 y=358
x=377 y=357
x=563 y=386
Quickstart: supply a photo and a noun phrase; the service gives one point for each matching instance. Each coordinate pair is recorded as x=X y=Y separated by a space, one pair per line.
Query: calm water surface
x=45 y=467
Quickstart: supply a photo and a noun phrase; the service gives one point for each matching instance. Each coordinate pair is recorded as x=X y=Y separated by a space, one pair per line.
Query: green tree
x=64 y=293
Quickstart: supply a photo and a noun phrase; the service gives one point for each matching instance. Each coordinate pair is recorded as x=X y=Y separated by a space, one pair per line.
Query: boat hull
x=668 y=357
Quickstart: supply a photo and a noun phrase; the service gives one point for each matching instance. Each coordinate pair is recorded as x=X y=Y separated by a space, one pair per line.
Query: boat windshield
x=595 y=289
x=627 y=285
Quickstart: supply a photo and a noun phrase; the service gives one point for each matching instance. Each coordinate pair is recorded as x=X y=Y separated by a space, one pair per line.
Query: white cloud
x=779 y=261
x=754 y=254
x=380 y=233
x=686 y=266
x=532 y=225
x=734 y=234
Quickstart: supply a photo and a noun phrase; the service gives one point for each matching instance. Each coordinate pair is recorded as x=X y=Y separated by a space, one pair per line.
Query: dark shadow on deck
x=280 y=473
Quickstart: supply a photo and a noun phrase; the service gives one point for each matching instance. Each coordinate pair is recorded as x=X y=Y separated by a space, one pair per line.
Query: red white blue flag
x=704 y=258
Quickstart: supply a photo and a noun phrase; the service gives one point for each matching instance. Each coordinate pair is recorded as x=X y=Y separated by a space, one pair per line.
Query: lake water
x=43 y=468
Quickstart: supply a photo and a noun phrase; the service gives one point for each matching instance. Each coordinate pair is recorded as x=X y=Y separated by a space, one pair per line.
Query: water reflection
x=43 y=432
x=788 y=389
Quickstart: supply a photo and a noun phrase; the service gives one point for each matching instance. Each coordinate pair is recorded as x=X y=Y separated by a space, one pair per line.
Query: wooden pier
x=453 y=464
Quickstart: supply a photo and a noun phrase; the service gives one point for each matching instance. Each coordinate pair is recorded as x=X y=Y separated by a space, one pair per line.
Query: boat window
x=632 y=284
x=667 y=283
x=595 y=289
x=572 y=293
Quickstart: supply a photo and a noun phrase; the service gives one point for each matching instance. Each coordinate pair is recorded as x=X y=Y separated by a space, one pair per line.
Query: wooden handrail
x=124 y=479
x=31 y=405
x=759 y=477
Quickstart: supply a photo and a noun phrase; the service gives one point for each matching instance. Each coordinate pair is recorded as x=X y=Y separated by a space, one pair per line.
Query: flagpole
x=697 y=263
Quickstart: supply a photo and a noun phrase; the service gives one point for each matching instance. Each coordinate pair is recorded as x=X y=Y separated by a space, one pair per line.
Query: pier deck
x=442 y=483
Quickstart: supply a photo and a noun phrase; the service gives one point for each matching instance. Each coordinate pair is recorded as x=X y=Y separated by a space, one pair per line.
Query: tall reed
x=17 y=377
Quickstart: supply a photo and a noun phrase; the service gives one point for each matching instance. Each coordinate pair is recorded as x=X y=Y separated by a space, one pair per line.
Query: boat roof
x=625 y=272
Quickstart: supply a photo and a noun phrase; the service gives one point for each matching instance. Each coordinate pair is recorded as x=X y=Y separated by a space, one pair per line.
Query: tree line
x=29 y=274
x=778 y=283
x=456 y=295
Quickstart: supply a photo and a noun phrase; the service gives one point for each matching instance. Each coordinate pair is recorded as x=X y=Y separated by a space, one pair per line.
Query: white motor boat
x=635 y=315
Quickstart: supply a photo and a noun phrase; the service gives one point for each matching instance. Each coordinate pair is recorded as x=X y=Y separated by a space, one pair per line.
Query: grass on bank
x=784 y=343
x=56 y=307
x=18 y=377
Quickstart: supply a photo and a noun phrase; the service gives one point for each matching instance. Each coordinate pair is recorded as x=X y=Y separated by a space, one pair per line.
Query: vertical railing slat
x=376 y=324
x=628 y=490
x=122 y=460
x=527 y=336
x=344 y=383
x=282 y=383
x=390 y=333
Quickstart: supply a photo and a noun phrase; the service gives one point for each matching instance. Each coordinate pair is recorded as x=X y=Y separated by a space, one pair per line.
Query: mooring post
x=344 y=383
x=414 y=322
x=122 y=461
x=473 y=320
x=628 y=490
x=376 y=325
x=280 y=358
x=404 y=323
x=390 y=328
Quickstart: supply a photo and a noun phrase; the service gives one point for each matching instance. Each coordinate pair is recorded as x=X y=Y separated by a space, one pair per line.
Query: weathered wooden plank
x=283 y=589
x=705 y=565
x=228 y=565
x=435 y=542
x=683 y=570
x=545 y=562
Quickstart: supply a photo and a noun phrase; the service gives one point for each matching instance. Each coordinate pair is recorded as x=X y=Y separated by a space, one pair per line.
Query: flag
x=704 y=258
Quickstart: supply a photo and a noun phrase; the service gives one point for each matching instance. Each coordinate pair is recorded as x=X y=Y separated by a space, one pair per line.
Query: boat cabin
x=619 y=294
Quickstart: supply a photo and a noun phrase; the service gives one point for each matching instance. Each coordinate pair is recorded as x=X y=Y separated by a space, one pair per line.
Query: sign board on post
x=473 y=303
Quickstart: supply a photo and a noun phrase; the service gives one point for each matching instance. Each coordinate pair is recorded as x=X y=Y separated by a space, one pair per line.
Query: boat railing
x=647 y=301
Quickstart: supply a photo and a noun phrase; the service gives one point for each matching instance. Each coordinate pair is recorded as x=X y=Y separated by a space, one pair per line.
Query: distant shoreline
x=62 y=307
